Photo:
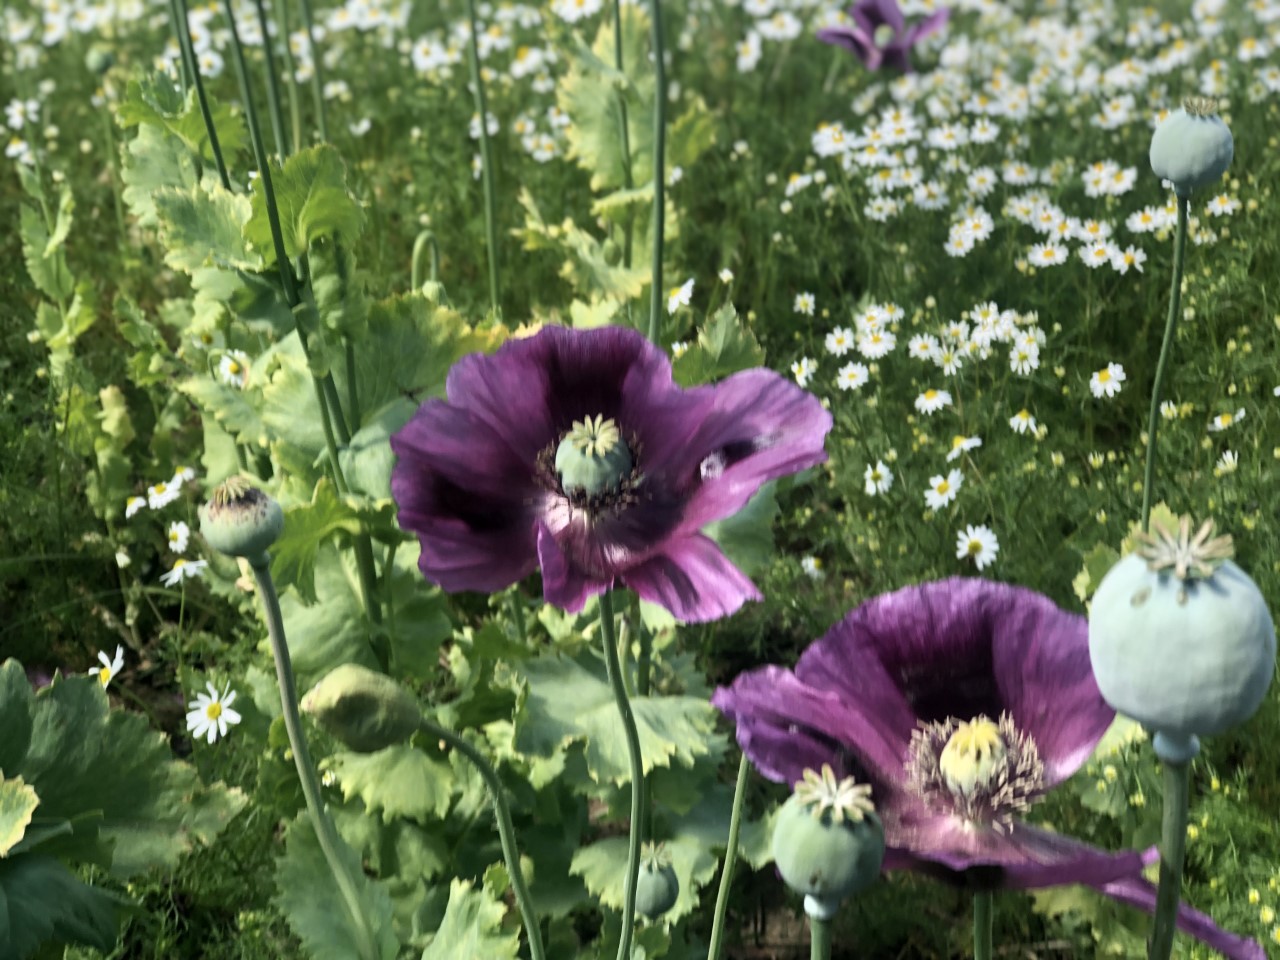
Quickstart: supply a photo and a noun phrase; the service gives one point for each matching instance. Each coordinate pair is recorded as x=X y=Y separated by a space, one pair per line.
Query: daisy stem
x=486 y=158
x=326 y=833
x=982 y=903
x=425 y=239
x=1166 y=348
x=506 y=830
x=730 y=856
x=624 y=131
x=614 y=669
x=659 y=172
x=1173 y=849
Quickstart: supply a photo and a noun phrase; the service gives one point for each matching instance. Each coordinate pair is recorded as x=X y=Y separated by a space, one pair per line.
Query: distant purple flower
x=879 y=35
x=575 y=452
x=961 y=702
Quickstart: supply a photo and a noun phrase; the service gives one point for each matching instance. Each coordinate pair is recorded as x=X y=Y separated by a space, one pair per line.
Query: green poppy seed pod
x=1192 y=147
x=241 y=521
x=99 y=59
x=592 y=458
x=826 y=847
x=365 y=710
x=434 y=293
x=657 y=886
x=1180 y=638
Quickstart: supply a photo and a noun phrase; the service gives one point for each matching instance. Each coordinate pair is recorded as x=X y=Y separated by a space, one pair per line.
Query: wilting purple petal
x=1135 y=891
x=693 y=580
x=475 y=479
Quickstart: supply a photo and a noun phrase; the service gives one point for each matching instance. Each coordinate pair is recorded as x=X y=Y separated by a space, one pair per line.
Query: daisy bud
x=1180 y=638
x=365 y=710
x=656 y=885
x=1192 y=147
x=241 y=521
x=828 y=842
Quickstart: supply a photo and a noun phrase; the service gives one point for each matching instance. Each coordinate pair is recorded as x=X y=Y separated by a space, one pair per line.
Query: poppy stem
x=819 y=938
x=330 y=843
x=424 y=240
x=1166 y=348
x=486 y=159
x=506 y=830
x=730 y=856
x=193 y=65
x=614 y=669
x=659 y=171
x=623 y=129
x=1173 y=849
x=982 y=911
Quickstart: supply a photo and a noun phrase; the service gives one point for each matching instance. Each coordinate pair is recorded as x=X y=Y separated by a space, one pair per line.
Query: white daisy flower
x=1224 y=420
x=679 y=348
x=1169 y=410
x=876 y=344
x=726 y=275
x=852 y=376
x=110 y=666
x=1107 y=382
x=942 y=490
x=679 y=296
x=878 y=479
x=1129 y=257
x=162 y=494
x=179 y=536
x=839 y=341
x=133 y=505
x=1098 y=253
x=183 y=569
x=923 y=346
x=931 y=401
x=803 y=370
x=805 y=304
x=978 y=544
x=812 y=566
x=1227 y=463
x=1024 y=358
x=209 y=714
x=961 y=445
x=1022 y=422
x=1047 y=255
x=1222 y=206
x=233 y=369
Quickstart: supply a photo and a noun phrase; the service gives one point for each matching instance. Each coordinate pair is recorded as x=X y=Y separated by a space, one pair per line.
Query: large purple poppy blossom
x=879 y=35
x=960 y=702
x=479 y=476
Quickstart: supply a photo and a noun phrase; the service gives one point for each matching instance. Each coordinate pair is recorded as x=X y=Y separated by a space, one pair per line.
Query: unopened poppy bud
x=434 y=293
x=1192 y=147
x=657 y=886
x=365 y=710
x=828 y=842
x=241 y=521
x=1180 y=638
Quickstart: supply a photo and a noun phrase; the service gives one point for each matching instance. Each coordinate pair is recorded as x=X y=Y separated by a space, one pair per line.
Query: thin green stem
x=1166 y=348
x=114 y=158
x=625 y=132
x=614 y=668
x=317 y=69
x=1173 y=849
x=424 y=240
x=659 y=171
x=517 y=614
x=506 y=831
x=730 y=856
x=290 y=76
x=982 y=909
x=486 y=158
x=184 y=78
x=353 y=387
x=189 y=56
x=820 y=938
x=330 y=842
x=273 y=85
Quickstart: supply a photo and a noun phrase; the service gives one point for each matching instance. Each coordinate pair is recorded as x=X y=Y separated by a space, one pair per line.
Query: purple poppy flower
x=961 y=702
x=879 y=35
x=575 y=452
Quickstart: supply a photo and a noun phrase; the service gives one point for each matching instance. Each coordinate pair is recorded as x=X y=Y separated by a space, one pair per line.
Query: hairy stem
x=1173 y=849
x=614 y=669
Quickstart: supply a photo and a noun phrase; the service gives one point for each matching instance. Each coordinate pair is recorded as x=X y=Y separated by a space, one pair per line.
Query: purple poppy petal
x=929 y=25
x=693 y=579
x=967 y=647
x=491 y=386
x=851 y=38
x=871 y=14
x=1137 y=892
x=1021 y=857
x=760 y=427
x=787 y=726
x=562 y=583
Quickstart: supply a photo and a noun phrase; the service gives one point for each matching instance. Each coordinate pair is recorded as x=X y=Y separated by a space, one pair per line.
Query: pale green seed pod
x=657 y=887
x=1192 y=147
x=241 y=521
x=365 y=710
x=1180 y=638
